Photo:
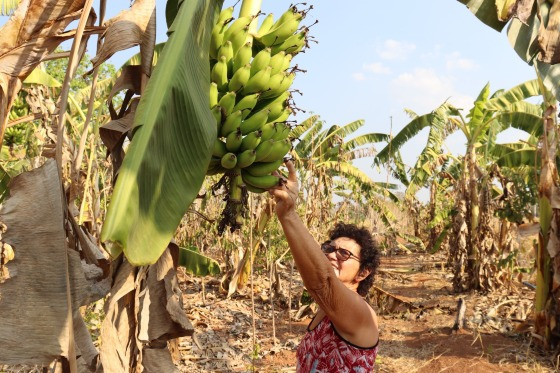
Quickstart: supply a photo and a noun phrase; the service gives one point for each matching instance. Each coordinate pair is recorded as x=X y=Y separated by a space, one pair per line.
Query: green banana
x=263 y=182
x=228 y=161
x=266 y=24
x=238 y=39
x=251 y=141
x=255 y=121
x=233 y=141
x=274 y=82
x=231 y=124
x=216 y=40
x=260 y=61
x=278 y=105
x=246 y=158
x=281 y=88
x=293 y=44
x=217 y=113
x=263 y=149
x=268 y=130
x=277 y=35
x=219 y=149
x=227 y=102
x=258 y=82
x=278 y=151
x=226 y=50
x=240 y=78
x=264 y=168
x=277 y=62
x=219 y=73
x=254 y=189
x=236 y=27
x=225 y=15
x=282 y=131
x=246 y=104
x=289 y=14
x=213 y=95
x=285 y=115
x=243 y=56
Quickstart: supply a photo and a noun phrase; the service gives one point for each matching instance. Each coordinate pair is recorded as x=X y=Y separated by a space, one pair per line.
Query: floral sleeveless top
x=323 y=350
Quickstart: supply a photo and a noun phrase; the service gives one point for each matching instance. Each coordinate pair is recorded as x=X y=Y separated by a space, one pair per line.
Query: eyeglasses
x=341 y=254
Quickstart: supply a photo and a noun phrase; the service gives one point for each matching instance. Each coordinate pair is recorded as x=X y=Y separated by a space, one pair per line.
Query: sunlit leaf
x=167 y=159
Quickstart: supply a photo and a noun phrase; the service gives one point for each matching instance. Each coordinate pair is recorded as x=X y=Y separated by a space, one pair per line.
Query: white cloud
x=377 y=68
x=359 y=76
x=395 y=50
x=422 y=90
x=454 y=61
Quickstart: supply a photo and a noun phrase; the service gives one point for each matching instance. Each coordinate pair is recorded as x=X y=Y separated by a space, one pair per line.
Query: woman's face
x=346 y=270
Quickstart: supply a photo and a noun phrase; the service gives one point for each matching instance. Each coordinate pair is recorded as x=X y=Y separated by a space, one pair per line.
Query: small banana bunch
x=250 y=100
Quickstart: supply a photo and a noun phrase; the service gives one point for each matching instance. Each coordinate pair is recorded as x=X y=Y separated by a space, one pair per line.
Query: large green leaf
x=412 y=129
x=518 y=158
x=367 y=139
x=300 y=129
x=167 y=159
x=196 y=263
x=518 y=93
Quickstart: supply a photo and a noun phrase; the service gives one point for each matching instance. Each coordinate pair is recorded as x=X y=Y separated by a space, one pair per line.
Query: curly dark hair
x=369 y=253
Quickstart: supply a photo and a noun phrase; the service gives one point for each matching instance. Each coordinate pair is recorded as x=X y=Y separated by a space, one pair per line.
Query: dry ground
x=415 y=325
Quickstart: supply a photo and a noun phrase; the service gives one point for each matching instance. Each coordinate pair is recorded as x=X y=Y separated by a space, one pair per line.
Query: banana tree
x=486 y=119
x=532 y=33
x=324 y=158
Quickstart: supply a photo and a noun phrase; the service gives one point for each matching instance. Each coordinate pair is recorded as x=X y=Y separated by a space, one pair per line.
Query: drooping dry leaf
x=33 y=301
x=549 y=36
x=135 y=26
x=522 y=10
x=117 y=329
x=34 y=30
x=151 y=296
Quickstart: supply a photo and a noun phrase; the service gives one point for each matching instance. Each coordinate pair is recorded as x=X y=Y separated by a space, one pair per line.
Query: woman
x=343 y=335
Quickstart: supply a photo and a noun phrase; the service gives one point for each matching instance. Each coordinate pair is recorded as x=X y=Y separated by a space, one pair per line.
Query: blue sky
x=376 y=58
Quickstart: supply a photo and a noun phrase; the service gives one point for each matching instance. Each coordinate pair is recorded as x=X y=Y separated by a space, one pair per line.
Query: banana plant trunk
x=547 y=313
x=474 y=214
x=433 y=208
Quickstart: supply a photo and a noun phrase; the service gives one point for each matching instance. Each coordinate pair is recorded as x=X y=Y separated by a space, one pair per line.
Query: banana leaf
x=8 y=6
x=486 y=11
x=516 y=94
x=165 y=164
x=4 y=181
x=196 y=263
x=298 y=130
x=39 y=76
x=518 y=158
x=412 y=129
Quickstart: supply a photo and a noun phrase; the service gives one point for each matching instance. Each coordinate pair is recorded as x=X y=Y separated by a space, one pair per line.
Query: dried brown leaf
x=549 y=36
x=135 y=26
x=33 y=301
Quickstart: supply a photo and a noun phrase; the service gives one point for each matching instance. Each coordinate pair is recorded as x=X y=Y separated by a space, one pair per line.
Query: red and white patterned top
x=323 y=350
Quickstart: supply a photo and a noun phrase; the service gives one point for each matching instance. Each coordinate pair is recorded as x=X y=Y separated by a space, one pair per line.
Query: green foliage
x=196 y=263
x=167 y=159
x=517 y=201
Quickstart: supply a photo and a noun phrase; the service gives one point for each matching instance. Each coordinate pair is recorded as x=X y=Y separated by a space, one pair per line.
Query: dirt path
x=415 y=326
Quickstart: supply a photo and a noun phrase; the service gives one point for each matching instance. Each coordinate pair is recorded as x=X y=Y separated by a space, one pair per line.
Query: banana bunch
x=251 y=102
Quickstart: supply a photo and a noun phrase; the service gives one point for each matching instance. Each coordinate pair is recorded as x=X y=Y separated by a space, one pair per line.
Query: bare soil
x=416 y=313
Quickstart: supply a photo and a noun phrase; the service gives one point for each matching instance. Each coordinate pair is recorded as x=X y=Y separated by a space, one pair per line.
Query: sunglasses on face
x=341 y=254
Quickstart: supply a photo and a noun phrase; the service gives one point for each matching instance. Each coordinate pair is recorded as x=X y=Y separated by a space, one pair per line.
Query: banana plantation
x=137 y=232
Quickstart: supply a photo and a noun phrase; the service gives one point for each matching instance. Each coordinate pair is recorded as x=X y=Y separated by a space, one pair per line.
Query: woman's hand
x=286 y=194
